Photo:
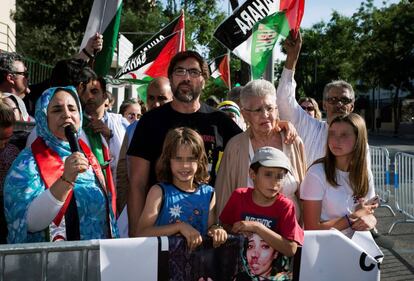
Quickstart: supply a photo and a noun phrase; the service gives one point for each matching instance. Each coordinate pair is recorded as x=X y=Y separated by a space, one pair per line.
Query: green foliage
x=327 y=54
x=49 y=30
x=374 y=46
x=216 y=88
x=142 y=19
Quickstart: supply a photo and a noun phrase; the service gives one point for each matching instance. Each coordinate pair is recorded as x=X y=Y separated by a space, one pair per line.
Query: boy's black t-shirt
x=215 y=127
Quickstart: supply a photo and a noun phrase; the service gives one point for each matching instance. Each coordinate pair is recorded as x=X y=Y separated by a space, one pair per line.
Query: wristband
x=90 y=56
x=71 y=183
x=348 y=220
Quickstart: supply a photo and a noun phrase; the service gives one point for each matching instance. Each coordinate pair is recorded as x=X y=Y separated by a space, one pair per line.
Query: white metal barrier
x=404 y=187
x=380 y=167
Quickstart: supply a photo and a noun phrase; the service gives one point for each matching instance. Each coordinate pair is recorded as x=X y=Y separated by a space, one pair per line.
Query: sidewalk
x=398 y=263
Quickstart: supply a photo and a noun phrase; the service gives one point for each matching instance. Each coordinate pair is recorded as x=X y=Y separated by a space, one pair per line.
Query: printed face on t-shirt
x=260 y=255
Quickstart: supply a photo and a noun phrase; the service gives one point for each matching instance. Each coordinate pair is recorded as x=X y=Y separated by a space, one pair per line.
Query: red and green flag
x=236 y=32
x=220 y=70
x=151 y=59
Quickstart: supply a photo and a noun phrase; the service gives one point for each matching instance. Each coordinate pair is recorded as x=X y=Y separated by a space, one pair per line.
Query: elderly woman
x=258 y=102
x=52 y=194
x=311 y=107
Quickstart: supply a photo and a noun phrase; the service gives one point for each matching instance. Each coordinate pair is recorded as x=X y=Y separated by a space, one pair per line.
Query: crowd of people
x=176 y=165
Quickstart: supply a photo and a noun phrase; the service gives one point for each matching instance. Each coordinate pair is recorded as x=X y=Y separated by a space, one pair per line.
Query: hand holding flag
x=292 y=46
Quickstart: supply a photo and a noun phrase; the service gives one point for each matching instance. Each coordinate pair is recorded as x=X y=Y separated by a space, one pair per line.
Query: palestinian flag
x=153 y=57
x=104 y=18
x=236 y=31
x=220 y=69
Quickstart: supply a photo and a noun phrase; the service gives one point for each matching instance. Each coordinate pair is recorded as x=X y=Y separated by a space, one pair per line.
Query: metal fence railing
x=380 y=167
x=404 y=187
x=67 y=261
x=38 y=71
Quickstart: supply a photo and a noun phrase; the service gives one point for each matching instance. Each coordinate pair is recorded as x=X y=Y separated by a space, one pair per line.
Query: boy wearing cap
x=264 y=210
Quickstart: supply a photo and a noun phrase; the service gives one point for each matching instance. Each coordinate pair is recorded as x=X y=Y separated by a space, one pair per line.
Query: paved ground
x=398 y=262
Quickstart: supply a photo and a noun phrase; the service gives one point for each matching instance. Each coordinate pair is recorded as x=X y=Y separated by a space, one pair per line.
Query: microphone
x=70 y=133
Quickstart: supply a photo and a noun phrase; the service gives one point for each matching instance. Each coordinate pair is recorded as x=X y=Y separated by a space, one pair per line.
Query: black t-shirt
x=215 y=127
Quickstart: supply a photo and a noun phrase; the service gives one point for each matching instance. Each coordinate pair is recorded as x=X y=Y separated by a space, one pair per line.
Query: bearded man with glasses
x=188 y=73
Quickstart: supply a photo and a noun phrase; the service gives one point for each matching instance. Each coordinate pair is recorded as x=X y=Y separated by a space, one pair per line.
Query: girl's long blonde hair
x=358 y=168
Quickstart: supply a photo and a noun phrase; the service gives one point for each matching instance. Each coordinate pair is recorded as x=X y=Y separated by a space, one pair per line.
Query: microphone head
x=70 y=129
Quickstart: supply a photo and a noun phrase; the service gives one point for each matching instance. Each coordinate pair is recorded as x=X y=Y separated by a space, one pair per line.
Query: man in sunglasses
x=338 y=99
x=14 y=81
x=13 y=75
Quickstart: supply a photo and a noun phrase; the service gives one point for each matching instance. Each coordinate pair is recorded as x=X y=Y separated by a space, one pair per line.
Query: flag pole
x=269 y=74
x=95 y=51
x=180 y=45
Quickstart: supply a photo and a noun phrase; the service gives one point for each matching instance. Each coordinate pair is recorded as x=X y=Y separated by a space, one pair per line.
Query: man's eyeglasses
x=23 y=73
x=194 y=73
x=335 y=100
x=307 y=108
x=262 y=109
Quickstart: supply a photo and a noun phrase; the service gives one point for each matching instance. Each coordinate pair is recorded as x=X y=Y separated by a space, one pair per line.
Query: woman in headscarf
x=51 y=193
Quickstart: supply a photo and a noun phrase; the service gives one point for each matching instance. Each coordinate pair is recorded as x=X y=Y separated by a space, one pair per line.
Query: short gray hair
x=341 y=84
x=7 y=60
x=257 y=88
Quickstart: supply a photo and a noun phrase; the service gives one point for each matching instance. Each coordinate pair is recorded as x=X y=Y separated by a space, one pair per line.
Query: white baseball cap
x=271 y=157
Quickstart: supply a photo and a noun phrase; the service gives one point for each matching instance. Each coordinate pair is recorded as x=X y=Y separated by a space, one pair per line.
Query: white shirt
x=314 y=133
x=337 y=201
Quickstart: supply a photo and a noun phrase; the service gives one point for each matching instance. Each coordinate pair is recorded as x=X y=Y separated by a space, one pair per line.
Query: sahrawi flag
x=236 y=32
x=152 y=58
x=220 y=70
x=104 y=18
x=265 y=35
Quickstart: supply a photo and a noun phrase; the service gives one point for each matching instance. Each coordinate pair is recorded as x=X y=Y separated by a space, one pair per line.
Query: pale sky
x=321 y=10
x=317 y=10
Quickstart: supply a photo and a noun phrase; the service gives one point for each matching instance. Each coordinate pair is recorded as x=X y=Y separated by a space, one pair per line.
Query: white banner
x=330 y=255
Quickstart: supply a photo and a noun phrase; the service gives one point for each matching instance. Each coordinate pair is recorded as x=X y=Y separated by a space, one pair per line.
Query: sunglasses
x=307 y=108
x=335 y=100
x=23 y=73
